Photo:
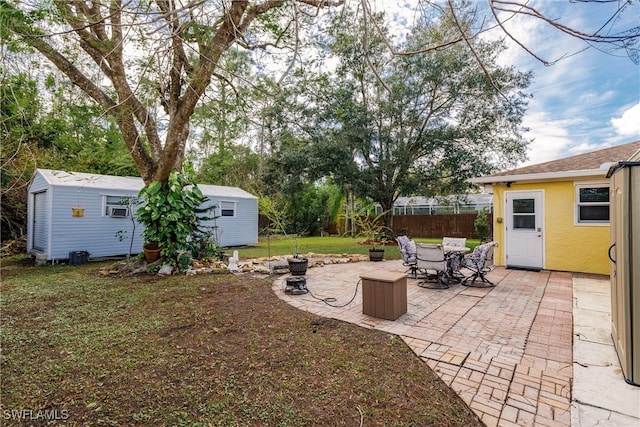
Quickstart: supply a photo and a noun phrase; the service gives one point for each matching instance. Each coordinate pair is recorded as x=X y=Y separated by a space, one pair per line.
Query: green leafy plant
x=372 y=228
x=171 y=215
x=203 y=244
x=278 y=221
x=183 y=260
x=482 y=226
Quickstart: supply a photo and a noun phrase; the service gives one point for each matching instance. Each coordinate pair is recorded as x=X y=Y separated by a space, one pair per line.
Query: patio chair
x=431 y=262
x=480 y=262
x=408 y=251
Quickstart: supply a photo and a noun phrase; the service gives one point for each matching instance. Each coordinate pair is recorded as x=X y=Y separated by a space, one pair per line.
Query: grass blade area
x=202 y=350
x=280 y=245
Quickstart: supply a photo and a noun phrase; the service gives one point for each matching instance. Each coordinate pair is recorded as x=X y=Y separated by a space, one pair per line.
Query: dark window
x=593 y=205
x=524 y=217
x=594 y=213
x=594 y=195
x=524 y=206
x=227 y=209
x=526 y=222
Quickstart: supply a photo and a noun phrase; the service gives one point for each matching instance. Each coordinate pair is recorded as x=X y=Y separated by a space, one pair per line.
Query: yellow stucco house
x=555 y=215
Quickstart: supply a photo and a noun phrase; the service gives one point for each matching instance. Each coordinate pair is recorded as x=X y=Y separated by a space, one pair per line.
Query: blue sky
x=584 y=102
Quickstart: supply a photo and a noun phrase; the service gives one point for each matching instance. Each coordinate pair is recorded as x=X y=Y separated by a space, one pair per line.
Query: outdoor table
x=451 y=253
x=451 y=249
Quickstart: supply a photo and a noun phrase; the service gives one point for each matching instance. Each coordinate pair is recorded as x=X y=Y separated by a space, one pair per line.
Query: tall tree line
x=173 y=80
x=383 y=126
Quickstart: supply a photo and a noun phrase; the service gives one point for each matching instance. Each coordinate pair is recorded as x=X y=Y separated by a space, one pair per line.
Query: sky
x=586 y=101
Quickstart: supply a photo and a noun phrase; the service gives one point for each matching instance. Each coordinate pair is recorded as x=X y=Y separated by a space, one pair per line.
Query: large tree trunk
x=106 y=33
x=387 y=208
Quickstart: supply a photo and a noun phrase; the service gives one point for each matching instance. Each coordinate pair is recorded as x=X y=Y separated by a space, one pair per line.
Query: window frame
x=222 y=210
x=106 y=206
x=578 y=204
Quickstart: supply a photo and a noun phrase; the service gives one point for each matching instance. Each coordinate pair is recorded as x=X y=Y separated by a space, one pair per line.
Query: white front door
x=524 y=229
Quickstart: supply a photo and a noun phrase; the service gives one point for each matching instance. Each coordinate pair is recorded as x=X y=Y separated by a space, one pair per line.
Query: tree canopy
x=49 y=134
x=148 y=64
x=386 y=126
x=157 y=69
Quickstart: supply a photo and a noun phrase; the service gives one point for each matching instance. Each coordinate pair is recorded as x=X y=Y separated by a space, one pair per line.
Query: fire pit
x=296 y=285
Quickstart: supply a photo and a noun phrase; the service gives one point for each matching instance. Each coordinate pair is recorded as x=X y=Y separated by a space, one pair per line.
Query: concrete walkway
x=600 y=395
x=506 y=351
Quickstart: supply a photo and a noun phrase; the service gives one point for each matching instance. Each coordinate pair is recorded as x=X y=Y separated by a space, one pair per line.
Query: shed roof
x=587 y=164
x=111 y=182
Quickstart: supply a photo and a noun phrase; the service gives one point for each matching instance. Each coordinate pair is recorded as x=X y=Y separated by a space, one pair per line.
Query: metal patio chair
x=432 y=263
x=408 y=251
x=479 y=262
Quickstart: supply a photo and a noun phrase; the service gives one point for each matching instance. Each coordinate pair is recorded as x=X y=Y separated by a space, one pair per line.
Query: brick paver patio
x=506 y=351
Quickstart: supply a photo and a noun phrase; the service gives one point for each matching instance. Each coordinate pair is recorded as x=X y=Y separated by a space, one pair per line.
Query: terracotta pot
x=151 y=251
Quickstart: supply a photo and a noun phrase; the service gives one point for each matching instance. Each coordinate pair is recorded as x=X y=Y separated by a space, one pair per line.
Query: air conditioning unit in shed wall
x=118 y=212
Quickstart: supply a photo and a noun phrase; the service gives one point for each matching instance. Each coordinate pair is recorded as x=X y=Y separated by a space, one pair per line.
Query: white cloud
x=629 y=123
x=550 y=139
x=575 y=98
x=585 y=148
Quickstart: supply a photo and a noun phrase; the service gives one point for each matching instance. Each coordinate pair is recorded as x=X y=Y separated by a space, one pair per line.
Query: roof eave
x=537 y=177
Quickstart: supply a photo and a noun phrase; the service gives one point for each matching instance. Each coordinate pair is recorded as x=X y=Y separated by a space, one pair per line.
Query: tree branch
x=463 y=32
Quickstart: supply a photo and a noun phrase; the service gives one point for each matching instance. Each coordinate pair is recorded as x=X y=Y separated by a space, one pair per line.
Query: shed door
x=524 y=242
x=619 y=293
x=625 y=280
x=40 y=221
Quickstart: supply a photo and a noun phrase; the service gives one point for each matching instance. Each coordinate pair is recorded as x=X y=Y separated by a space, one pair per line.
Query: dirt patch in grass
x=202 y=350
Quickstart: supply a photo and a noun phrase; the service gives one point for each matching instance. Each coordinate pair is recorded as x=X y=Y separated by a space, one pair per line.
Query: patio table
x=453 y=255
x=452 y=249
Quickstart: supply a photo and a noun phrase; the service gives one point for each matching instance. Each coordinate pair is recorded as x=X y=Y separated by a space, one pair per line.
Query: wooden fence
x=453 y=225
x=450 y=225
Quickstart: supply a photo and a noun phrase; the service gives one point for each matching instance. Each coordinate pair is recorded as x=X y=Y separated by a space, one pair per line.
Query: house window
x=592 y=204
x=227 y=209
x=524 y=214
x=117 y=207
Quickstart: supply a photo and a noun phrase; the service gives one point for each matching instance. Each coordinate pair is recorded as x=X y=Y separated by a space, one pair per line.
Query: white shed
x=76 y=212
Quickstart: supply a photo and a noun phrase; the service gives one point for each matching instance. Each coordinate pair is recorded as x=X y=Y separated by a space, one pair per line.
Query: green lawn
x=87 y=347
x=278 y=245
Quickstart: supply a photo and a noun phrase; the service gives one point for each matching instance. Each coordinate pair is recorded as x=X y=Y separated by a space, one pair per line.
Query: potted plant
x=374 y=231
x=278 y=222
x=151 y=251
x=171 y=213
x=297 y=265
